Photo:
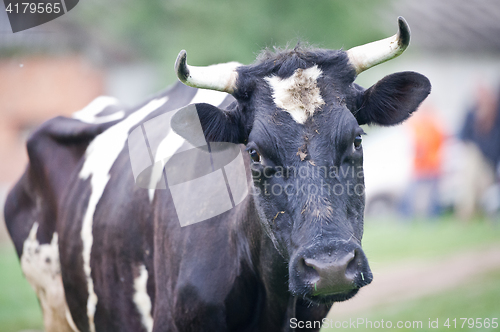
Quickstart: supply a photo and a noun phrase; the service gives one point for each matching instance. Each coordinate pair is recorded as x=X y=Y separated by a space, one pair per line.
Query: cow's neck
x=277 y=305
x=276 y=302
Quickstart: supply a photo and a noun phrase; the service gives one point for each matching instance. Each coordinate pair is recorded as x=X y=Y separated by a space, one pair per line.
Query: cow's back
x=32 y=209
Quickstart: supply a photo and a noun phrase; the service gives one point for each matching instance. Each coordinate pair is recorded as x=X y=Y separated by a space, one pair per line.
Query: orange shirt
x=429 y=138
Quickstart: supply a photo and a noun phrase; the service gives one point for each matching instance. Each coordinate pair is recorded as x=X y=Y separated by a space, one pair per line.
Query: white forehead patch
x=298 y=94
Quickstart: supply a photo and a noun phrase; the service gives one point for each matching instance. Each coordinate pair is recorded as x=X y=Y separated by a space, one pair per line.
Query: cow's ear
x=198 y=122
x=392 y=99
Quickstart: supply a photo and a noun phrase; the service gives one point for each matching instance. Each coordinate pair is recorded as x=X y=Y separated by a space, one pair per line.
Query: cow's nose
x=335 y=274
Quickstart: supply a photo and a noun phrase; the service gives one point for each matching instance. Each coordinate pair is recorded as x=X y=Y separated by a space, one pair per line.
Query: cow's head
x=299 y=114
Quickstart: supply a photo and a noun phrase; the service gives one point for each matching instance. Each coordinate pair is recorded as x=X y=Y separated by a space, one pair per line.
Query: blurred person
x=422 y=195
x=480 y=137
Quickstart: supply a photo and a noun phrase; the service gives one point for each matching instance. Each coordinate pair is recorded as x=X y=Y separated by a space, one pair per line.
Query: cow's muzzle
x=332 y=275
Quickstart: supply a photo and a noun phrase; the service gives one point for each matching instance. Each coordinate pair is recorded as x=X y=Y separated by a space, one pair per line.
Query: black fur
x=392 y=99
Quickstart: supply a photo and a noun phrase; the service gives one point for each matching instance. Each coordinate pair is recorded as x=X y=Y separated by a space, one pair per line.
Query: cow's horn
x=366 y=56
x=220 y=77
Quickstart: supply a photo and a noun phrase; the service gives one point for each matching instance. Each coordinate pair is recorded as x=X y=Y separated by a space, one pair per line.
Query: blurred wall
x=34 y=89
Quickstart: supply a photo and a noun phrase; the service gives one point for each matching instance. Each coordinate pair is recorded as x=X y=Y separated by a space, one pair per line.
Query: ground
x=416 y=279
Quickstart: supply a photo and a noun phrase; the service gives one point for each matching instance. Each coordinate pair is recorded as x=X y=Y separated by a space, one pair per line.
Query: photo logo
x=25 y=14
x=204 y=179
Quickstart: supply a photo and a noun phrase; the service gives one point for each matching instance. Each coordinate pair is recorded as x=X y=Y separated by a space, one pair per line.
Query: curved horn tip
x=181 y=68
x=404 y=32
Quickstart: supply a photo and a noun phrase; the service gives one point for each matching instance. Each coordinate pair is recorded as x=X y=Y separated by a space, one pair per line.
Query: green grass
x=480 y=299
x=19 y=309
x=389 y=242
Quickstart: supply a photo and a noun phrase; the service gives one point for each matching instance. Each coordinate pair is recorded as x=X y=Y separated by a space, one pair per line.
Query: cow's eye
x=254 y=155
x=357 y=142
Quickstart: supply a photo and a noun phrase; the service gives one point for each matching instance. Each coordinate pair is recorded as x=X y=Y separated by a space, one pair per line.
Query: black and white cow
x=106 y=255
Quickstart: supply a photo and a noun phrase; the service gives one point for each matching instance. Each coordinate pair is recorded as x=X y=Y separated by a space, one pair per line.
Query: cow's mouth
x=308 y=293
x=331 y=298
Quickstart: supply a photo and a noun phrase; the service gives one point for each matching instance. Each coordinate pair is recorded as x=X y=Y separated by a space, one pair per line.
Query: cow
x=104 y=254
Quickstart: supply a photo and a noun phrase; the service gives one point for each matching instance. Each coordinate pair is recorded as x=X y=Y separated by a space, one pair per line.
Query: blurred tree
x=222 y=30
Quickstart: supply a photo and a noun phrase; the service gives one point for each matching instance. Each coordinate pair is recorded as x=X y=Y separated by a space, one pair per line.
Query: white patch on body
x=141 y=298
x=209 y=96
x=99 y=158
x=298 y=94
x=166 y=149
x=41 y=266
x=89 y=113
x=172 y=142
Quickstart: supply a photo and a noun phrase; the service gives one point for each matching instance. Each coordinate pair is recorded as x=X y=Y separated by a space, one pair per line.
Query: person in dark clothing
x=482 y=125
x=481 y=137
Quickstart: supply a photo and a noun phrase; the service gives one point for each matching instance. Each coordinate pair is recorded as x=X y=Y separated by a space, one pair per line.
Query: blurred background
x=432 y=231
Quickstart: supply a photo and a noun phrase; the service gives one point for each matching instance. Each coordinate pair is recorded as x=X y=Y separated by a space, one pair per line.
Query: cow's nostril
x=354 y=265
x=309 y=271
